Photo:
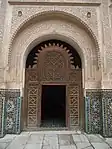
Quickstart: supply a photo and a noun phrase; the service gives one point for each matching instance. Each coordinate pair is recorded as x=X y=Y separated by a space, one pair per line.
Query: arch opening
x=55 y=66
x=30 y=61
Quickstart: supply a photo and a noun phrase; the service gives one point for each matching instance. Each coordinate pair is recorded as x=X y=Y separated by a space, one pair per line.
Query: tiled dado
x=98 y=112
x=2 y=113
x=10 y=109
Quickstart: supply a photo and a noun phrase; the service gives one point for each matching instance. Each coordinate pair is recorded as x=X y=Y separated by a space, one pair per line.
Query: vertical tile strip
x=86 y=114
x=2 y=130
x=2 y=112
x=18 y=122
x=3 y=118
x=1 y=106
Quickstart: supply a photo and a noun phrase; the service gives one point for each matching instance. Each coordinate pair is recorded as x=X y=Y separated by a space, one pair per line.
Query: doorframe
x=66 y=100
x=40 y=83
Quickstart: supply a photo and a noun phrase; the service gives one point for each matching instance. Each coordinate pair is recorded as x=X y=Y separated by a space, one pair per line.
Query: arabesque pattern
x=32 y=104
x=52 y=65
x=93 y=111
x=98 y=112
x=2 y=113
x=74 y=104
x=107 y=112
x=13 y=111
x=10 y=109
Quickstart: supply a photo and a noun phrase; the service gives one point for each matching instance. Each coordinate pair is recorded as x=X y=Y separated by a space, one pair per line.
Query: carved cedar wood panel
x=53 y=69
x=32 y=104
x=74 y=104
x=52 y=64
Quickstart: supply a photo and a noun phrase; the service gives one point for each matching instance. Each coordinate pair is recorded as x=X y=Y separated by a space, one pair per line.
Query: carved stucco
x=2 y=19
x=1 y=22
x=3 y=4
x=78 y=14
x=98 y=27
x=106 y=44
x=108 y=38
x=53 y=28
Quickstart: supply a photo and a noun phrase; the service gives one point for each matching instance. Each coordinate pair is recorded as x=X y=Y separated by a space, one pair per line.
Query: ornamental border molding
x=79 y=20
x=78 y=2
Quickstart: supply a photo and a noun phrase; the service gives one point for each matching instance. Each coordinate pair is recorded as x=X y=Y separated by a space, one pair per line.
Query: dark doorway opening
x=53 y=106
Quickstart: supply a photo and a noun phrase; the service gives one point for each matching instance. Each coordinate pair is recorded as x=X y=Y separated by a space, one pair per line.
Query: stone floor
x=53 y=123
x=55 y=140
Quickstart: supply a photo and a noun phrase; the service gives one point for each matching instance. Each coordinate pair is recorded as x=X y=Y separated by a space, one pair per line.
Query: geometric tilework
x=10 y=111
x=93 y=111
x=2 y=113
x=107 y=113
x=13 y=109
x=18 y=115
x=98 y=112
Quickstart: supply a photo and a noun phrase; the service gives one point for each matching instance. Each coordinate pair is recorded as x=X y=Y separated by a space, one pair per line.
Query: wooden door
x=53 y=65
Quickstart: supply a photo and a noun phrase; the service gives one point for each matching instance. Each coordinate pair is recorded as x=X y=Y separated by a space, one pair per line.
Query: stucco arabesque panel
x=81 y=12
x=34 y=31
x=75 y=13
x=108 y=43
x=3 y=4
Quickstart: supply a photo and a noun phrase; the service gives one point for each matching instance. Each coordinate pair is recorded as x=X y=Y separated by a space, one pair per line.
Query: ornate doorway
x=53 y=63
